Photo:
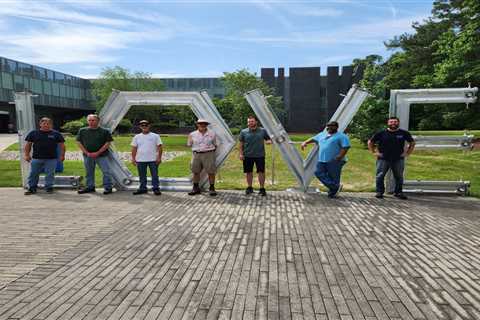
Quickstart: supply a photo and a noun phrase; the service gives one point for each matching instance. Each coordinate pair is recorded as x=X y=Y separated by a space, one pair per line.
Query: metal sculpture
x=202 y=106
x=302 y=169
x=400 y=103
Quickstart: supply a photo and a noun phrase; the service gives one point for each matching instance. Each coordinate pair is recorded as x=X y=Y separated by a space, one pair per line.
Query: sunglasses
x=144 y=125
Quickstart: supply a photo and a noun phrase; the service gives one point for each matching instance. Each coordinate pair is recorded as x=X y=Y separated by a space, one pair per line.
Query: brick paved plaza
x=289 y=256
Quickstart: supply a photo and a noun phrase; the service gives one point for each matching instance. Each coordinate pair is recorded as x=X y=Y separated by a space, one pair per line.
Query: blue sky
x=200 y=38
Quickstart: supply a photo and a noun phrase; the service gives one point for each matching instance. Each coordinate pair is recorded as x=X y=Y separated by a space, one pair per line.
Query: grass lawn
x=358 y=173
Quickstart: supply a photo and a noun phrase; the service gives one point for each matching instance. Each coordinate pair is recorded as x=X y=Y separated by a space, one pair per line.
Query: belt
x=204 y=151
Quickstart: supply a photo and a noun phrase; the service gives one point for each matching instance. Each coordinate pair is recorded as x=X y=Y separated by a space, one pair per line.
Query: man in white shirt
x=204 y=144
x=147 y=152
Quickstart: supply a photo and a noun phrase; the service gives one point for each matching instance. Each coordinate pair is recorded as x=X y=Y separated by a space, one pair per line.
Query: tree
x=234 y=107
x=123 y=80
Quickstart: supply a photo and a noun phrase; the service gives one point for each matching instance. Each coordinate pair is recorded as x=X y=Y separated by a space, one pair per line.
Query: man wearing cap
x=333 y=146
x=94 y=142
x=147 y=152
x=204 y=144
x=252 y=152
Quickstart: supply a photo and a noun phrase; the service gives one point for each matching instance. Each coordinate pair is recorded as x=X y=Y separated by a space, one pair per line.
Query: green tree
x=122 y=79
x=234 y=107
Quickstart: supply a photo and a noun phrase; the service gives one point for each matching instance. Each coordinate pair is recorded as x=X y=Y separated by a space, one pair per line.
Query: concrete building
x=310 y=99
x=60 y=96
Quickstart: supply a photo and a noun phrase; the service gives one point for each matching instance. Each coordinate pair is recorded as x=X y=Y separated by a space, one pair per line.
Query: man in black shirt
x=45 y=142
x=389 y=147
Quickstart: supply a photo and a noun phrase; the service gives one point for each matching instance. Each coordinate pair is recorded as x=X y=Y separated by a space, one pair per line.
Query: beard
x=331 y=131
x=393 y=127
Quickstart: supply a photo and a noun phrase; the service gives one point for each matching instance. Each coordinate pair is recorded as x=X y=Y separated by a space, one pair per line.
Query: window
x=50 y=75
x=59 y=77
x=25 y=69
x=39 y=73
x=9 y=65
x=7 y=81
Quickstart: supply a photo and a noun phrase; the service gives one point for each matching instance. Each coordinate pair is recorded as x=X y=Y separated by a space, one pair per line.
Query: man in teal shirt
x=252 y=152
x=333 y=146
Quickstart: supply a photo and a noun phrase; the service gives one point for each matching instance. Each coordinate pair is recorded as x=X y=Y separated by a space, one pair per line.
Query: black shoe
x=30 y=191
x=262 y=192
x=139 y=192
x=85 y=190
x=335 y=194
x=157 y=192
x=49 y=190
x=248 y=191
x=212 y=191
x=194 y=191
x=107 y=191
x=332 y=196
x=400 y=196
x=379 y=195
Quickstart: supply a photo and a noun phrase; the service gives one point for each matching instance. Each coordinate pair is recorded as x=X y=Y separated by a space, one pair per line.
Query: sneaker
x=157 y=192
x=334 y=194
x=107 y=191
x=248 y=191
x=379 y=195
x=194 y=191
x=30 y=191
x=400 y=196
x=85 y=190
x=262 y=192
x=212 y=191
x=49 y=190
x=139 y=192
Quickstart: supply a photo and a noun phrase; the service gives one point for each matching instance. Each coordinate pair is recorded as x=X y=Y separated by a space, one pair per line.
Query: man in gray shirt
x=252 y=152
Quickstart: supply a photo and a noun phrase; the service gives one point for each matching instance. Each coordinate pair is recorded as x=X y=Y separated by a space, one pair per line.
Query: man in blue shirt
x=333 y=146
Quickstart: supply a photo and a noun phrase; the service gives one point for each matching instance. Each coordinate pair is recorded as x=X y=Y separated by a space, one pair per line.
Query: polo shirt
x=330 y=145
x=253 y=142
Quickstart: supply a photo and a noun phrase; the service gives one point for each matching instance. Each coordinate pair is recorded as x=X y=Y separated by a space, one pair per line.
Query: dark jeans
x=103 y=163
x=397 y=167
x=142 y=174
x=36 y=167
x=329 y=174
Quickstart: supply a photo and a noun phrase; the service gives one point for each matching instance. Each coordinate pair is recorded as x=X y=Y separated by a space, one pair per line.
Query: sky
x=200 y=38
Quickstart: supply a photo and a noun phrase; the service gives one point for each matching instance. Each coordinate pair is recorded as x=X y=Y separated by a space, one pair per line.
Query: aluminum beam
x=303 y=170
x=26 y=122
x=202 y=106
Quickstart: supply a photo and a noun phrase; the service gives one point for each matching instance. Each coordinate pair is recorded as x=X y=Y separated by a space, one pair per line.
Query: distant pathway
x=6 y=140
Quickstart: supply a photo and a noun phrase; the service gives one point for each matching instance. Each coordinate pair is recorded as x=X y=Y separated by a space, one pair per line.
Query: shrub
x=73 y=126
x=125 y=126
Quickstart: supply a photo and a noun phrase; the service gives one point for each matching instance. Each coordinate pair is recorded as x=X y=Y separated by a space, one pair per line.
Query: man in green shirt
x=252 y=152
x=94 y=142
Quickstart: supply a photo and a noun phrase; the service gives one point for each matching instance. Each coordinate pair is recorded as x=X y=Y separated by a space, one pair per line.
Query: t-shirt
x=94 y=139
x=45 y=143
x=202 y=142
x=147 y=146
x=391 y=144
x=253 y=146
x=330 y=145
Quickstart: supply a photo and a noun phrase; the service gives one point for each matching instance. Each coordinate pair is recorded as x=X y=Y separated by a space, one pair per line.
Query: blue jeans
x=142 y=174
x=329 y=174
x=39 y=165
x=102 y=162
x=397 y=167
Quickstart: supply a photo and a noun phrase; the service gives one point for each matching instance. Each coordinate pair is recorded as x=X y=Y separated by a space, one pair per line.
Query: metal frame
x=303 y=170
x=400 y=102
x=202 y=106
x=25 y=111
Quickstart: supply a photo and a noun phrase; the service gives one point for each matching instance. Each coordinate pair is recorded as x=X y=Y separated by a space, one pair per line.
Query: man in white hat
x=204 y=144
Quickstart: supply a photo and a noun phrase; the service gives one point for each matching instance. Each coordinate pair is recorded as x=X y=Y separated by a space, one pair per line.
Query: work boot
x=248 y=191
x=400 y=196
x=195 y=190
x=30 y=191
x=379 y=195
x=262 y=192
x=85 y=190
x=157 y=192
x=212 y=191
x=107 y=191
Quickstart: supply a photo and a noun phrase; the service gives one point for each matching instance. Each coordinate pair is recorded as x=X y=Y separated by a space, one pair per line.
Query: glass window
x=10 y=66
x=7 y=81
x=25 y=69
x=47 y=87
x=50 y=75
x=55 y=89
x=39 y=73
x=36 y=86
x=59 y=77
x=19 y=85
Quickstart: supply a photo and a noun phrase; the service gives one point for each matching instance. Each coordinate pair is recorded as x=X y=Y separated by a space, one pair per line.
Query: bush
x=125 y=126
x=235 y=131
x=73 y=126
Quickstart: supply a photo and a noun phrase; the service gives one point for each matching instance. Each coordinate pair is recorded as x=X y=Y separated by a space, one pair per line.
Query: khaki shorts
x=205 y=161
